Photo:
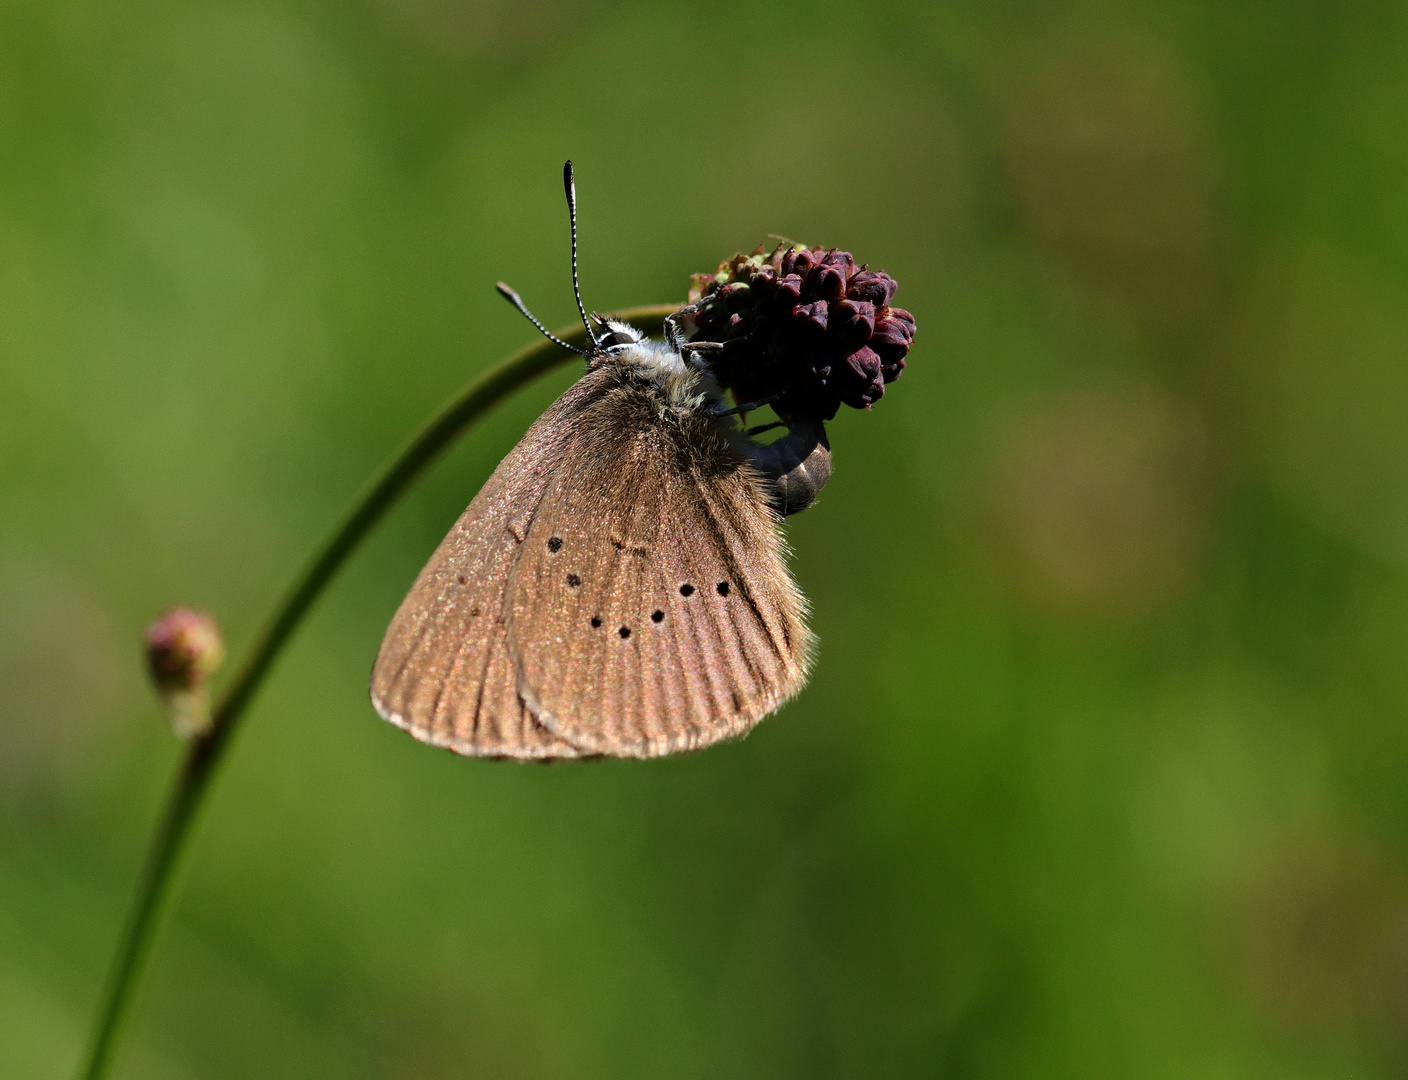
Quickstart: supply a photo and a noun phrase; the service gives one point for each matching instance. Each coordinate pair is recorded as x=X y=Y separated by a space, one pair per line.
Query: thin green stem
x=205 y=752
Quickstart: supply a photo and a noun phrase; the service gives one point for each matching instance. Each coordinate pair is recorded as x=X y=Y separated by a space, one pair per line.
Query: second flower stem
x=204 y=753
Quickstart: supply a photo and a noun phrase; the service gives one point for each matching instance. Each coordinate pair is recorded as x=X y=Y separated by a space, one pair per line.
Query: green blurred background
x=1101 y=770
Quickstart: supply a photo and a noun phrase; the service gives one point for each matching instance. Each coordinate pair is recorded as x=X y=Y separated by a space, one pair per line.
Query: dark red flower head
x=804 y=326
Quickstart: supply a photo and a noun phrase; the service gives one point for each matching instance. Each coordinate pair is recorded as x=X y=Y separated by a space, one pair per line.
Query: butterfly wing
x=651 y=610
x=444 y=672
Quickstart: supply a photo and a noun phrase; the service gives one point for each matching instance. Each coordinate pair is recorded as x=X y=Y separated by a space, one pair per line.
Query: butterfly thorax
x=792 y=469
x=662 y=370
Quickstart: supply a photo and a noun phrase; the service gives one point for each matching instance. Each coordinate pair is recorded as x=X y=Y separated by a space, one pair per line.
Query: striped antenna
x=517 y=301
x=570 y=185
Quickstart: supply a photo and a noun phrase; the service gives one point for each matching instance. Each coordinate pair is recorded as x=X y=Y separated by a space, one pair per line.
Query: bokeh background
x=1101 y=773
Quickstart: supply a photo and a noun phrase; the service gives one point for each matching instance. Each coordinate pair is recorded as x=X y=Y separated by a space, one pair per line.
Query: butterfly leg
x=749 y=406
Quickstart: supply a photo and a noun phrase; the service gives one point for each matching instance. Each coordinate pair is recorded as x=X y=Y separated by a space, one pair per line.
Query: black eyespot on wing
x=461 y=579
x=686 y=589
x=723 y=588
x=596 y=621
x=625 y=632
x=573 y=580
x=555 y=543
x=657 y=616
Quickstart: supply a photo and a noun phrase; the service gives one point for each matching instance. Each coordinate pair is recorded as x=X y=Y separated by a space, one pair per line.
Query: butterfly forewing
x=651 y=610
x=443 y=671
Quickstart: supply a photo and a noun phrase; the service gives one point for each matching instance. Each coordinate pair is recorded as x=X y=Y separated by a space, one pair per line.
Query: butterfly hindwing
x=651 y=610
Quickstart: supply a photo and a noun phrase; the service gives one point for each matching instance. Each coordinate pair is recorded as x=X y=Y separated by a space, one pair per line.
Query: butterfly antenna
x=517 y=301
x=570 y=186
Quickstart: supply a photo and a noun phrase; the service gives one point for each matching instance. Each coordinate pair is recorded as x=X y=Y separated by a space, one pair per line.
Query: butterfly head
x=613 y=336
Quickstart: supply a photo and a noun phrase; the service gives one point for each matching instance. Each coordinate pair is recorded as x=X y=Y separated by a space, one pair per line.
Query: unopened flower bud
x=894 y=333
x=864 y=383
x=797 y=261
x=184 y=649
x=852 y=321
x=813 y=315
x=789 y=289
x=842 y=262
x=827 y=282
x=872 y=287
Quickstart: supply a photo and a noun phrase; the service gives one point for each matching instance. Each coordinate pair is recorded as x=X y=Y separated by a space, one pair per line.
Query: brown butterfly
x=619 y=586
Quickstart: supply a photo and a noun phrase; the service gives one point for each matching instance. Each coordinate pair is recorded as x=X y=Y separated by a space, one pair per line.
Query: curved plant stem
x=204 y=753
